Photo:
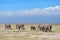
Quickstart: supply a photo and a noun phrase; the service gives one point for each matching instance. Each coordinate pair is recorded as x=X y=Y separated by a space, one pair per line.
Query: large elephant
x=7 y=26
x=20 y=26
x=49 y=28
x=40 y=27
x=33 y=28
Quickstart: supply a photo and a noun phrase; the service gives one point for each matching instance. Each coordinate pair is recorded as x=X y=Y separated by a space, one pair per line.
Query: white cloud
x=37 y=11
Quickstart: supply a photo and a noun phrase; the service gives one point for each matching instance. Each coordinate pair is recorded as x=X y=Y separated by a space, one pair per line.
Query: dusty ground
x=27 y=34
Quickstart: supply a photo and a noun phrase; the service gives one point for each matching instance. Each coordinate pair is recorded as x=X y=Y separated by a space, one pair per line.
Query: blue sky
x=27 y=4
x=30 y=11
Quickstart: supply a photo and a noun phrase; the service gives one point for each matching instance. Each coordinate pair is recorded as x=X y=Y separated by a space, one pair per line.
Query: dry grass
x=27 y=34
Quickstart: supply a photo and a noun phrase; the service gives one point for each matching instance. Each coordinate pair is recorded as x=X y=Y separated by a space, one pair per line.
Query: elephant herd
x=44 y=27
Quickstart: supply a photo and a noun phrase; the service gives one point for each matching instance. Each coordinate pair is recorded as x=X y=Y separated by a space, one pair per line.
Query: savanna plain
x=27 y=34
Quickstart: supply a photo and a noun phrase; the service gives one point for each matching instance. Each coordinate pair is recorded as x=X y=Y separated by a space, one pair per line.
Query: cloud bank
x=36 y=11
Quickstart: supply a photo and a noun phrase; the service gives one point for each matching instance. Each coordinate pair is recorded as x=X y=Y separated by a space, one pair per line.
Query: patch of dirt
x=46 y=35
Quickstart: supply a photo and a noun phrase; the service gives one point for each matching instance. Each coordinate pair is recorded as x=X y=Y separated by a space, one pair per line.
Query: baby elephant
x=33 y=28
x=7 y=26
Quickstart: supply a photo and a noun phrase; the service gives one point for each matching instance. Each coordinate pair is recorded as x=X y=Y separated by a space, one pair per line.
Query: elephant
x=41 y=27
x=20 y=26
x=33 y=28
x=49 y=28
x=7 y=26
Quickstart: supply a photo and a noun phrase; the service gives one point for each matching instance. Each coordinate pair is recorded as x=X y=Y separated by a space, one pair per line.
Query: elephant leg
x=9 y=27
x=23 y=28
x=32 y=29
x=46 y=29
x=19 y=28
x=40 y=29
x=43 y=29
x=50 y=30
